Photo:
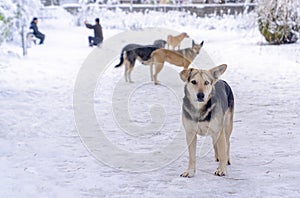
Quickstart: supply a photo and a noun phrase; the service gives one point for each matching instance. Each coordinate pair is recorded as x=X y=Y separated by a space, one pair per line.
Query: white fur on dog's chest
x=201 y=128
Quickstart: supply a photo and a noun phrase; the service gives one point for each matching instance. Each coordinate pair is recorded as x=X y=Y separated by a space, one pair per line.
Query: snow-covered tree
x=87 y=11
x=7 y=10
x=14 y=14
x=279 y=20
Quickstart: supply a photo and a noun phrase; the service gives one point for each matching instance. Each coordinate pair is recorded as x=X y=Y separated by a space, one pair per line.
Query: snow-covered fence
x=200 y=10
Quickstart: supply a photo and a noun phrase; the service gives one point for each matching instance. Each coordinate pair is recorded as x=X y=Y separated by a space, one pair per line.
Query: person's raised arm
x=88 y=25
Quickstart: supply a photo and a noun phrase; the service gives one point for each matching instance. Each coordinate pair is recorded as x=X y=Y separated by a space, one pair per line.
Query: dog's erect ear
x=184 y=74
x=202 y=43
x=193 y=43
x=216 y=72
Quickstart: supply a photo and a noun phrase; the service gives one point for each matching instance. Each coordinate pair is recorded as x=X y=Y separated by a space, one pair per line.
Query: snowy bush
x=279 y=20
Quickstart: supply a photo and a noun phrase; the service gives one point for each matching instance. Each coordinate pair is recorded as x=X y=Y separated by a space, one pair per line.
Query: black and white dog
x=131 y=52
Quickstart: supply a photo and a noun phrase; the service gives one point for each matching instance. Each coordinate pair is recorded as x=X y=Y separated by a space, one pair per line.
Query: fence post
x=24 y=46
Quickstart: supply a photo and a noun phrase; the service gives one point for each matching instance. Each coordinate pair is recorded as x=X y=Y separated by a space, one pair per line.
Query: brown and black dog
x=207 y=109
x=181 y=58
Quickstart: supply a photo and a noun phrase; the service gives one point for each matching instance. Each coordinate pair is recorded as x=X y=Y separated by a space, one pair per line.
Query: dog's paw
x=188 y=173
x=156 y=82
x=220 y=171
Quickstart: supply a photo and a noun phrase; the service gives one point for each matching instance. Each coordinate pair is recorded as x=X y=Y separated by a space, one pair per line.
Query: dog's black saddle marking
x=143 y=52
x=224 y=95
x=133 y=51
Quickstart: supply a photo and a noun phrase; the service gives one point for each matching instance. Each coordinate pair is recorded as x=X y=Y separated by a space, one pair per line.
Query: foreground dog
x=174 y=41
x=207 y=109
x=131 y=52
x=181 y=58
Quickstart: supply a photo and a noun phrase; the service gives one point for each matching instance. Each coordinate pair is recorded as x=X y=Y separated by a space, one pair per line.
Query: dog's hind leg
x=216 y=152
x=228 y=145
x=129 y=73
x=126 y=71
x=228 y=150
x=221 y=144
x=228 y=131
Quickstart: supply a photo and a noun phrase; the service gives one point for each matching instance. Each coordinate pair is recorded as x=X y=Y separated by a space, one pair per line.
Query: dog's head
x=160 y=43
x=196 y=47
x=200 y=83
x=185 y=35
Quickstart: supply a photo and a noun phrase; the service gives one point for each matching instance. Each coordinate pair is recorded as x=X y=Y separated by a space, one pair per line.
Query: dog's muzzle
x=200 y=97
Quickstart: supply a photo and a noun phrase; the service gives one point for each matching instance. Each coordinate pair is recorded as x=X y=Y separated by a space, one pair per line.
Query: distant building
x=68 y=1
x=58 y=2
x=61 y=2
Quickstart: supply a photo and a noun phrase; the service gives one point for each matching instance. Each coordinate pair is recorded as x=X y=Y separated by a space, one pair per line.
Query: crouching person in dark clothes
x=36 y=32
x=98 y=38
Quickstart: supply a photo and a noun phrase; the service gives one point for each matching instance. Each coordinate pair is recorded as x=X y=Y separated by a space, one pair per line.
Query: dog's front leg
x=221 y=148
x=191 y=139
x=158 y=67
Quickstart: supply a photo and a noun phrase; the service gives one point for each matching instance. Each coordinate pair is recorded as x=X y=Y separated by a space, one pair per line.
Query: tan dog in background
x=181 y=58
x=175 y=41
x=207 y=109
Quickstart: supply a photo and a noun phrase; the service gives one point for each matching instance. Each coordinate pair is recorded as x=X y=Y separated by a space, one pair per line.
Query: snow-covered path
x=42 y=155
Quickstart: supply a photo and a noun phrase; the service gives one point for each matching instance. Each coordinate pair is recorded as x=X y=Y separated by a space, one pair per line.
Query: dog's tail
x=121 y=59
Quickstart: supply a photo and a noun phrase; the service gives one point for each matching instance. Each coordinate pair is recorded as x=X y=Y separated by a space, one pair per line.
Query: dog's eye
x=194 y=82
x=206 y=83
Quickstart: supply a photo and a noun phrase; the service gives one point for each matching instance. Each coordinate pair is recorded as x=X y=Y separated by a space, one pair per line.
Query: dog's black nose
x=200 y=97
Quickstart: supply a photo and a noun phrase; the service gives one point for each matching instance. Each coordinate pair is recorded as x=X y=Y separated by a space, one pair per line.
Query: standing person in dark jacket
x=98 y=38
x=36 y=32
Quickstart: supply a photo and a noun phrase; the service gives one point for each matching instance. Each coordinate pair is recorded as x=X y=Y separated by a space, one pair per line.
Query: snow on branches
x=279 y=20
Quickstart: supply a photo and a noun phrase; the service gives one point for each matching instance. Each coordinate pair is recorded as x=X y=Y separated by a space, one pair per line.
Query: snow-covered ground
x=42 y=154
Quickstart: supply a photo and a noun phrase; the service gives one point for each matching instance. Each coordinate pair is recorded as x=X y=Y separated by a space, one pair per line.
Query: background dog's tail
x=121 y=59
